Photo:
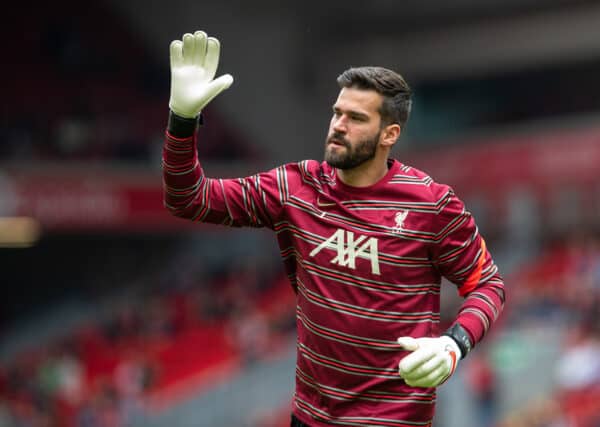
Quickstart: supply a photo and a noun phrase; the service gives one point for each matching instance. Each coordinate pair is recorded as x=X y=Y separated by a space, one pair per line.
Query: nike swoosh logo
x=324 y=204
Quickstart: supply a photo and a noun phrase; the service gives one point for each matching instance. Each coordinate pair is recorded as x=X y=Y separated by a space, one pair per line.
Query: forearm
x=481 y=308
x=183 y=178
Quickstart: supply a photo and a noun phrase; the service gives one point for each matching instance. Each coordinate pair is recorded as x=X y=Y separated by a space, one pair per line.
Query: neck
x=366 y=174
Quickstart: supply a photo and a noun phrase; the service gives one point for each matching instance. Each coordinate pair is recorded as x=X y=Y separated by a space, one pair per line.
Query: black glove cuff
x=181 y=127
x=461 y=337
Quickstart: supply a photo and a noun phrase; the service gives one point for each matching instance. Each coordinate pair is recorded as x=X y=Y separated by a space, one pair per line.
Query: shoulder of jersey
x=421 y=186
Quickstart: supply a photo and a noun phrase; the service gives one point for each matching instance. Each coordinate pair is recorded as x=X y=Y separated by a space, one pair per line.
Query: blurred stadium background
x=114 y=314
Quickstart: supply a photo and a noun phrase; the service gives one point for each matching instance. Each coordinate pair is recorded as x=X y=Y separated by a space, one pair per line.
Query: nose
x=339 y=124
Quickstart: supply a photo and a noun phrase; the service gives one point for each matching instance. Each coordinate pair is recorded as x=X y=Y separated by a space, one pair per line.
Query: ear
x=390 y=134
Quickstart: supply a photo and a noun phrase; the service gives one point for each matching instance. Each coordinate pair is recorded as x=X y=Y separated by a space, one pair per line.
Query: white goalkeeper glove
x=194 y=61
x=431 y=362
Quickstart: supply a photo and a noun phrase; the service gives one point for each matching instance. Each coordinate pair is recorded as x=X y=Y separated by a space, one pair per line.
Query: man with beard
x=365 y=240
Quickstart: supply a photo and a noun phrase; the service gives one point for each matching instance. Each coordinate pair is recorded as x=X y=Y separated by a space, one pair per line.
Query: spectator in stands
x=483 y=384
x=578 y=375
x=249 y=332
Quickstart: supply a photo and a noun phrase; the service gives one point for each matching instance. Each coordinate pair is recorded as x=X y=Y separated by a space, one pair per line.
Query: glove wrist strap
x=182 y=127
x=461 y=337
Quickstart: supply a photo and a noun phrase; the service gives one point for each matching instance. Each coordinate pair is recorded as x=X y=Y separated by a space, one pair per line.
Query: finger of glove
x=176 y=53
x=433 y=379
x=189 y=46
x=199 y=48
x=426 y=368
x=211 y=60
x=217 y=86
x=408 y=343
x=415 y=359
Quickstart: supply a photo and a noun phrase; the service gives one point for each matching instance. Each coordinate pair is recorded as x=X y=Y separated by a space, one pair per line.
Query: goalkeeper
x=365 y=240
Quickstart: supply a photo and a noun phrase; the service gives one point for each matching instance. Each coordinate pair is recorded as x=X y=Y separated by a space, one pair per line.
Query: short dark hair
x=396 y=93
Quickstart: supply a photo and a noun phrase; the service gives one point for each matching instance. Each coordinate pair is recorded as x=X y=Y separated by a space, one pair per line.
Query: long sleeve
x=252 y=201
x=460 y=254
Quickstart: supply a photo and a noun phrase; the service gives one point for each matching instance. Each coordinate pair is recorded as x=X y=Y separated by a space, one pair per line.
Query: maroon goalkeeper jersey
x=366 y=264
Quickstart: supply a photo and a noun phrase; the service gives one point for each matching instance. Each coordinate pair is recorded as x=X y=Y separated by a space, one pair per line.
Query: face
x=355 y=128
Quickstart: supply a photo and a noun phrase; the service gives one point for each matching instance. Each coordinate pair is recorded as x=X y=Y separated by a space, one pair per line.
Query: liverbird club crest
x=399 y=219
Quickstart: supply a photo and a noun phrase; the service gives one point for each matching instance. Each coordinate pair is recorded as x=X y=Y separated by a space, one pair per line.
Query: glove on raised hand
x=194 y=61
x=431 y=362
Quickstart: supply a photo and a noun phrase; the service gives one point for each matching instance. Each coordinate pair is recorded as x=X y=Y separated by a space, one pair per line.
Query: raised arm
x=252 y=201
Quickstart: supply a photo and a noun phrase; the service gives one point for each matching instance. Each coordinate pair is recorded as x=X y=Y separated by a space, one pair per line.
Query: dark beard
x=353 y=157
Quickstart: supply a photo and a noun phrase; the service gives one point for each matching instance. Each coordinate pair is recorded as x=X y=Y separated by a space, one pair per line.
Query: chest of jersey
x=368 y=238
